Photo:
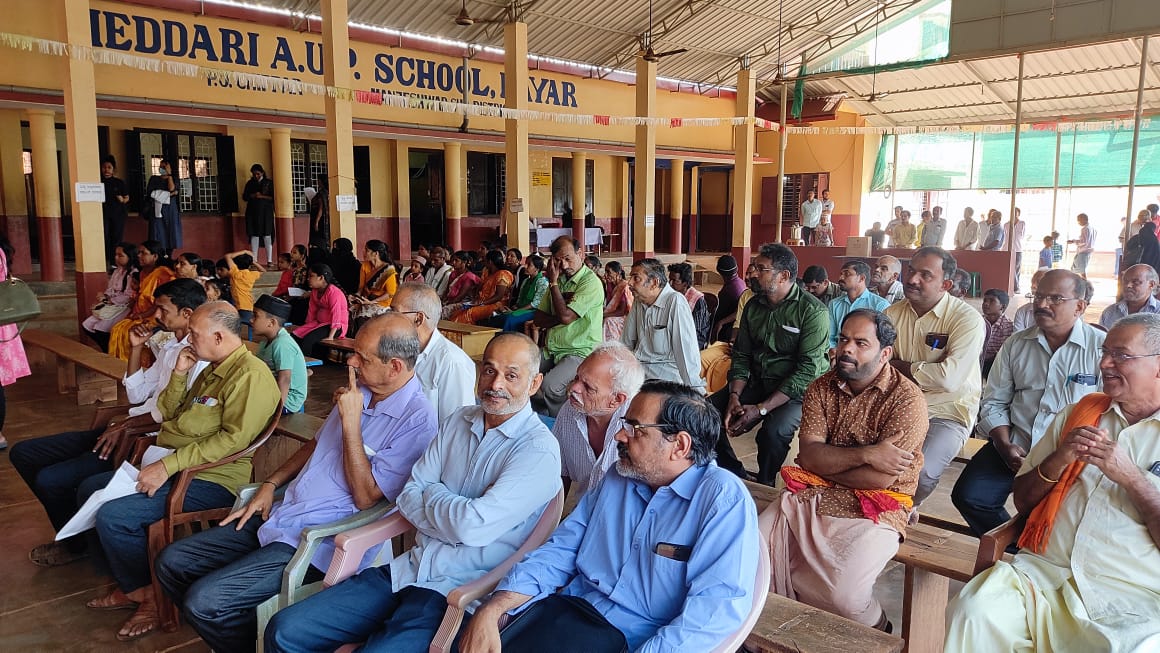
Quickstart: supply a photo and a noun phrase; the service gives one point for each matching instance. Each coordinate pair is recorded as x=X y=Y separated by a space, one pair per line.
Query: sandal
x=54 y=554
x=143 y=622
x=115 y=600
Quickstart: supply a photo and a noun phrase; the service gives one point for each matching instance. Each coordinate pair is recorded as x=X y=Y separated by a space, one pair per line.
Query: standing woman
x=259 y=197
x=13 y=361
x=117 y=300
x=618 y=300
x=163 y=197
x=327 y=316
x=378 y=283
x=115 y=207
x=320 y=212
x=153 y=271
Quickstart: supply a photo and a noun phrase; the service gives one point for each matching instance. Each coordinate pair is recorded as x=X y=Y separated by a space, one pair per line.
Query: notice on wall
x=346 y=202
x=649 y=221
x=516 y=205
x=541 y=178
x=90 y=192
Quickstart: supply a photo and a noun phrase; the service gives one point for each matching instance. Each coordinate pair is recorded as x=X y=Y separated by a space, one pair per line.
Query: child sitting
x=279 y=351
x=824 y=233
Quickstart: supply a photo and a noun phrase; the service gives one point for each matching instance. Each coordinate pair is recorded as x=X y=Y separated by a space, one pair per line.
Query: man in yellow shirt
x=228 y=405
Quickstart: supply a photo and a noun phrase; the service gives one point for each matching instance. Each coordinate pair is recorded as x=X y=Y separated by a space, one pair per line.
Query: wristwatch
x=761 y=410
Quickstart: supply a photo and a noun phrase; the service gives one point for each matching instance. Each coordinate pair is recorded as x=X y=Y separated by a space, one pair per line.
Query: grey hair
x=627 y=372
x=223 y=314
x=424 y=299
x=894 y=263
x=653 y=269
x=1149 y=322
x=403 y=346
x=532 y=350
x=1149 y=272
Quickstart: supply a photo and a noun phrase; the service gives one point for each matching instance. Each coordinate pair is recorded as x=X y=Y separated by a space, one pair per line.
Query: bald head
x=392 y=336
x=213 y=331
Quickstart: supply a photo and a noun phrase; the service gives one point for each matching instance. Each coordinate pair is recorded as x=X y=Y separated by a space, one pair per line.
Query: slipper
x=149 y=619
x=54 y=554
x=111 y=602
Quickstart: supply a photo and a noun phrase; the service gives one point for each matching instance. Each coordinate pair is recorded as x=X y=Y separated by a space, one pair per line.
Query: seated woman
x=493 y=294
x=617 y=300
x=464 y=284
x=292 y=285
x=117 y=300
x=378 y=281
x=186 y=266
x=328 y=315
x=523 y=303
x=153 y=271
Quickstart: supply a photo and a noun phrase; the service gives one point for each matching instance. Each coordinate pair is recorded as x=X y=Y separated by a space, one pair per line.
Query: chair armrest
x=351 y=546
x=311 y=539
x=247 y=492
x=140 y=446
x=105 y=414
x=995 y=541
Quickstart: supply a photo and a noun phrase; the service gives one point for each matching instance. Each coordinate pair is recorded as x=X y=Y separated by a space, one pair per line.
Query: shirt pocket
x=665 y=586
x=786 y=338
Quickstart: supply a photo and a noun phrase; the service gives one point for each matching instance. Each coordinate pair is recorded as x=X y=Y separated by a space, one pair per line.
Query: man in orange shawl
x=845 y=511
x=1087 y=577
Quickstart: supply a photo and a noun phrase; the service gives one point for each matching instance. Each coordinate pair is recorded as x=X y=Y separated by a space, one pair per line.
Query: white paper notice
x=516 y=205
x=649 y=220
x=90 y=192
x=346 y=202
x=296 y=292
x=123 y=483
x=153 y=454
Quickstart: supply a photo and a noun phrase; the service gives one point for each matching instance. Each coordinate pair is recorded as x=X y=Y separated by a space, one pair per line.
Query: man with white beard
x=587 y=424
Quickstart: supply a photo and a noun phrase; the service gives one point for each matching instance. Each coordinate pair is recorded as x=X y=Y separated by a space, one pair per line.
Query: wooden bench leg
x=93 y=388
x=924 y=606
x=66 y=375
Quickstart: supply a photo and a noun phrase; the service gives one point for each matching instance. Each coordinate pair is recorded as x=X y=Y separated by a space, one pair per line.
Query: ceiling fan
x=646 y=51
x=464 y=19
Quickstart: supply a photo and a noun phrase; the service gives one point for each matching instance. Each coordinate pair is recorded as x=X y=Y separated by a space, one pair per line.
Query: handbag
x=18 y=304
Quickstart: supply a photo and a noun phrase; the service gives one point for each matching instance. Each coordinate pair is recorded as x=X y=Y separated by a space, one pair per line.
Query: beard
x=855 y=373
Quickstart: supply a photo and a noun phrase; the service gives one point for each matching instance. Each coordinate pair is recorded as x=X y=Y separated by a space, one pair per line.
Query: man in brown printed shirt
x=863 y=424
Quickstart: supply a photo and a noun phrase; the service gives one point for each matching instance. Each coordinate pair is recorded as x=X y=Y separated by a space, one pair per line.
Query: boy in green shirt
x=279 y=351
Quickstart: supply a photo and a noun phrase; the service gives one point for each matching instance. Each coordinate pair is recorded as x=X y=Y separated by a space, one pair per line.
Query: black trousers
x=980 y=494
x=774 y=434
x=562 y=624
x=309 y=341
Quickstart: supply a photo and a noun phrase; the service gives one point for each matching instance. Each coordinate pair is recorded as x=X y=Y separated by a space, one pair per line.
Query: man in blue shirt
x=852 y=279
x=660 y=557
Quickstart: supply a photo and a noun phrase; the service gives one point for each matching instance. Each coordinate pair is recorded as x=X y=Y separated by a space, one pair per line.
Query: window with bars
x=486 y=183
x=196 y=163
x=307 y=164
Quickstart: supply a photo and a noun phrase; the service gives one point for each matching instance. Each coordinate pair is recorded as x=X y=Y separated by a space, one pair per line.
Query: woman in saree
x=464 y=284
x=618 y=300
x=493 y=294
x=153 y=270
x=378 y=281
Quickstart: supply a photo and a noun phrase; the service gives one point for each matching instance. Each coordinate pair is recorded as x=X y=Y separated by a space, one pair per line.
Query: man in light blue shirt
x=852 y=279
x=1139 y=284
x=1037 y=373
x=660 y=557
x=474 y=497
x=810 y=216
x=363 y=453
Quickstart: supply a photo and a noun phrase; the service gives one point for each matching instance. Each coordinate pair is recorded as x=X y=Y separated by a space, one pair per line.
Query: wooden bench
x=786 y=626
x=292 y=432
x=471 y=338
x=253 y=346
x=94 y=376
x=970 y=448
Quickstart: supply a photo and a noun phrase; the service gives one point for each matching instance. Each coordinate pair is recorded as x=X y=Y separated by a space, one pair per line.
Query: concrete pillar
x=579 y=164
x=400 y=155
x=283 y=188
x=694 y=206
x=46 y=176
x=339 y=134
x=644 y=190
x=518 y=161
x=744 y=141
x=15 y=210
x=676 y=203
x=453 y=182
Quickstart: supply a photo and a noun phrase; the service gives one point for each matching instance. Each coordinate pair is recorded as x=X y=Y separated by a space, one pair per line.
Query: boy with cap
x=279 y=351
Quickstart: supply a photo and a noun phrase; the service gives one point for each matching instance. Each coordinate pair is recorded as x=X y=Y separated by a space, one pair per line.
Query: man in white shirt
x=659 y=327
x=827 y=207
x=444 y=370
x=886 y=275
x=1084 y=246
x=967 y=231
x=439 y=272
x=811 y=216
x=587 y=424
x=1018 y=234
x=55 y=467
x=1139 y=284
x=474 y=497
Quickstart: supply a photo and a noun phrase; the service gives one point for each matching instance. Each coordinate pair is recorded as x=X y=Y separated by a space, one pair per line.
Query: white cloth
x=143 y=386
x=1024 y=317
x=474 y=497
x=160 y=199
x=447 y=375
x=309 y=192
x=579 y=462
x=664 y=339
x=439 y=279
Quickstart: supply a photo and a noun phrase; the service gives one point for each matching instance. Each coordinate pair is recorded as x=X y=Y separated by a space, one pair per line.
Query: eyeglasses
x=1054 y=300
x=1120 y=357
x=762 y=270
x=391 y=309
x=634 y=430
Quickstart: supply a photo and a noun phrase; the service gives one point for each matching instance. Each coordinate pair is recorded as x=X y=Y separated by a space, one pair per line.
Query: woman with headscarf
x=345 y=265
x=1143 y=247
x=319 y=205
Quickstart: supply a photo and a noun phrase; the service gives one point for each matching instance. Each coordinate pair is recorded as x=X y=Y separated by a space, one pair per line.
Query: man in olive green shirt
x=229 y=404
x=573 y=313
x=781 y=347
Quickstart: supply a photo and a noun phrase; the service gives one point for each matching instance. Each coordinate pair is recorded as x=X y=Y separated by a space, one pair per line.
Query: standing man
x=811 y=216
x=780 y=349
x=587 y=424
x=887 y=275
x=934 y=229
x=659 y=328
x=1037 y=374
x=438 y=274
x=852 y=279
x=904 y=232
x=1084 y=246
x=573 y=313
x=940 y=340
x=996 y=237
x=967 y=231
x=846 y=506
x=890 y=226
x=1139 y=284
x=259 y=197
x=827 y=207
x=115 y=208
x=1018 y=235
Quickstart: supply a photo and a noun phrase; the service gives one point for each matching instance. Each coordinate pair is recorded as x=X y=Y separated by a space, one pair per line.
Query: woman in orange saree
x=154 y=272
x=492 y=294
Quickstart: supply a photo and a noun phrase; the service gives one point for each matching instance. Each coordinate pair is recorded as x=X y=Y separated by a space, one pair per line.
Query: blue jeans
x=362 y=608
x=123 y=526
x=981 y=492
x=219 y=577
x=54 y=468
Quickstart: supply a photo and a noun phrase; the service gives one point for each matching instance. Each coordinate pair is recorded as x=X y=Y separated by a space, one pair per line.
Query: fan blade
x=671 y=53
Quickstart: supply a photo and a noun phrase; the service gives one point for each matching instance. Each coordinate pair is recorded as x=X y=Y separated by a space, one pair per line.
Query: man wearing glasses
x=781 y=347
x=445 y=371
x=1087 y=576
x=661 y=556
x=1139 y=284
x=1037 y=373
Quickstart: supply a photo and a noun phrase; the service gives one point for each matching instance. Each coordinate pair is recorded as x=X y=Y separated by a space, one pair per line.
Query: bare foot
x=144 y=621
x=115 y=600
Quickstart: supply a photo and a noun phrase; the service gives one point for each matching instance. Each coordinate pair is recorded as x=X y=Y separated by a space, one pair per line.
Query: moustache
x=848 y=359
x=1042 y=311
x=496 y=394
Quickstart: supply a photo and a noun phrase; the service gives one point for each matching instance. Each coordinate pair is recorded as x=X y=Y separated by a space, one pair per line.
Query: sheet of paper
x=123 y=483
x=153 y=454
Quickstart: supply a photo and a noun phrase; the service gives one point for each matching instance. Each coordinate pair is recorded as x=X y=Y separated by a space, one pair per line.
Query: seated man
x=681 y=280
x=659 y=327
x=660 y=557
x=846 y=507
x=852 y=279
x=474 y=497
x=228 y=406
x=56 y=466
x=1087 y=577
x=999 y=327
x=363 y=453
x=1037 y=373
x=732 y=287
x=280 y=352
x=816 y=282
x=1139 y=284
x=443 y=368
x=586 y=426
x=887 y=272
